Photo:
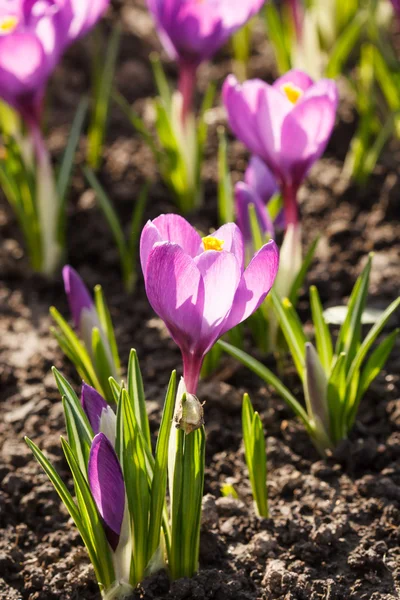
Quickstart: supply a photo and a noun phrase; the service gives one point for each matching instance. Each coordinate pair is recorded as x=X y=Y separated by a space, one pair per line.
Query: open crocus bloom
x=33 y=35
x=193 y=30
x=287 y=124
x=199 y=287
x=257 y=189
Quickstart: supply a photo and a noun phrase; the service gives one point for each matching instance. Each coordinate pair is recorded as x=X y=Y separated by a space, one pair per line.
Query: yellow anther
x=8 y=24
x=213 y=243
x=293 y=93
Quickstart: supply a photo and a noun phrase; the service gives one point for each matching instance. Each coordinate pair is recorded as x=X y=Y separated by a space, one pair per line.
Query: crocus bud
x=101 y=416
x=80 y=303
x=245 y=196
x=316 y=390
x=107 y=486
x=189 y=415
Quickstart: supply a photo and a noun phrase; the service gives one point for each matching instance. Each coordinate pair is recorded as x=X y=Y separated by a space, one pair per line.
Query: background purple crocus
x=257 y=189
x=199 y=286
x=287 y=124
x=34 y=34
x=192 y=31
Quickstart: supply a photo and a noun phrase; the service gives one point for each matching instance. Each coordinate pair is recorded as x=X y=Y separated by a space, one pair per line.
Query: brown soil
x=334 y=529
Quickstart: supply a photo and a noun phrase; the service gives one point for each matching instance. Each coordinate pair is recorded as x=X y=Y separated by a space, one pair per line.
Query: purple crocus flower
x=199 y=286
x=257 y=189
x=101 y=416
x=396 y=5
x=192 y=31
x=287 y=124
x=79 y=299
x=106 y=483
x=33 y=36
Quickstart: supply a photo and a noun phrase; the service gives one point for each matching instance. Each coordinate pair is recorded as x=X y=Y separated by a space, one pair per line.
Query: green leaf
x=136 y=393
x=336 y=398
x=106 y=324
x=255 y=454
x=345 y=44
x=65 y=171
x=102 y=97
x=130 y=448
x=79 y=436
x=159 y=482
x=322 y=334
x=301 y=275
x=102 y=362
x=225 y=191
x=269 y=378
x=75 y=350
x=162 y=84
x=371 y=370
x=350 y=332
x=371 y=337
x=91 y=520
x=292 y=330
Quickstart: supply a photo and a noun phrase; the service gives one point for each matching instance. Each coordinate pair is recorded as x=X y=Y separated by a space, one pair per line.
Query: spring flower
x=192 y=31
x=199 y=286
x=33 y=36
x=287 y=124
x=257 y=189
x=396 y=5
x=107 y=486
x=100 y=414
x=85 y=316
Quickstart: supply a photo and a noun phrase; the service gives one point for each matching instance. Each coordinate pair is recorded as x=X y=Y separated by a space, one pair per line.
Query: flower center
x=213 y=243
x=292 y=92
x=8 y=24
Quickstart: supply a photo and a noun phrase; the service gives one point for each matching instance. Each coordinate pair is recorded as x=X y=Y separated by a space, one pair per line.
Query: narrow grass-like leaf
x=106 y=323
x=292 y=330
x=225 y=191
x=259 y=458
x=136 y=393
x=269 y=378
x=102 y=98
x=77 y=353
x=336 y=398
x=350 y=332
x=65 y=171
x=101 y=359
x=301 y=275
x=159 y=482
x=371 y=337
x=373 y=367
x=91 y=519
x=322 y=334
x=79 y=437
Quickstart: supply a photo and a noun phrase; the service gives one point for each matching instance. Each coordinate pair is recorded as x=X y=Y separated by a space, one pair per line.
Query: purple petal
x=244 y=197
x=259 y=177
x=296 y=77
x=149 y=238
x=221 y=274
x=175 y=291
x=84 y=14
x=256 y=282
x=256 y=112
x=77 y=294
x=233 y=241
x=23 y=67
x=193 y=31
x=107 y=486
x=175 y=229
x=93 y=404
x=307 y=129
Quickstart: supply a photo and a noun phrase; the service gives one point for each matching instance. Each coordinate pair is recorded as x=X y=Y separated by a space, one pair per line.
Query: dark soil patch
x=334 y=526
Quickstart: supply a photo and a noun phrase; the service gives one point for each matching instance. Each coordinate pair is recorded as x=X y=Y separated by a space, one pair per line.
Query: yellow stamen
x=213 y=243
x=292 y=92
x=8 y=24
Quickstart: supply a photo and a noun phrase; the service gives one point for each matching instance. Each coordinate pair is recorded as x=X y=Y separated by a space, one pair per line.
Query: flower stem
x=289 y=195
x=47 y=203
x=186 y=85
x=191 y=372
